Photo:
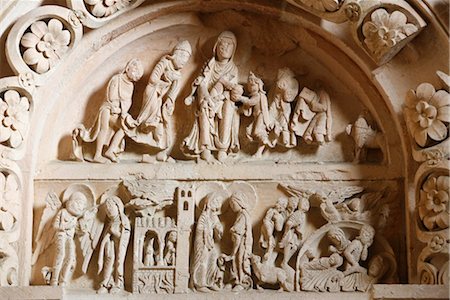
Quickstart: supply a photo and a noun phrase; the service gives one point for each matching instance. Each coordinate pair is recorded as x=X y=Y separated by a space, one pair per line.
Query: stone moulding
x=381 y=28
x=80 y=14
x=44 y=37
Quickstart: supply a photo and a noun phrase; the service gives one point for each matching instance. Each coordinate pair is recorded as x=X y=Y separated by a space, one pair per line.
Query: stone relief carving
x=9 y=226
x=45 y=44
x=59 y=223
x=153 y=125
x=384 y=31
x=365 y=137
x=108 y=129
x=215 y=91
x=14 y=115
x=433 y=205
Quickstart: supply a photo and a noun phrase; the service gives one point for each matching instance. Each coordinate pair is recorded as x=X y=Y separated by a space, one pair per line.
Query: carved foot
x=161 y=156
x=146 y=158
x=100 y=159
x=203 y=289
x=102 y=290
x=115 y=290
x=222 y=155
x=111 y=156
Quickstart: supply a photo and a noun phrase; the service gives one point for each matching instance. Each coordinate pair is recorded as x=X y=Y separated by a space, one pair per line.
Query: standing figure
x=108 y=128
x=208 y=231
x=242 y=238
x=293 y=231
x=273 y=221
x=65 y=224
x=154 y=124
x=113 y=247
x=315 y=108
x=262 y=124
x=282 y=96
x=169 y=257
x=216 y=89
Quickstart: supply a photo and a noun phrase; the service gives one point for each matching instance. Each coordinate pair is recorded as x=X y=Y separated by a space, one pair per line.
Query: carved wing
x=91 y=227
x=46 y=232
x=139 y=187
x=297 y=191
x=370 y=201
x=339 y=193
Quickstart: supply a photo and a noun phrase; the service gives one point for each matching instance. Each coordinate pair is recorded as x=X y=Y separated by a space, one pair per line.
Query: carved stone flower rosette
x=384 y=33
x=97 y=13
x=15 y=115
x=433 y=204
x=40 y=40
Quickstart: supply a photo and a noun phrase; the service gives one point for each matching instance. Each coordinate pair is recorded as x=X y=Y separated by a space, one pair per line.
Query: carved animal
x=271 y=275
x=365 y=137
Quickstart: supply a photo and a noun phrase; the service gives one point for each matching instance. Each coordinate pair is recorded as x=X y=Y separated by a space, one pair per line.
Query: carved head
x=337 y=237
x=367 y=234
x=76 y=204
x=303 y=204
x=172 y=236
x=181 y=54
x=292 y=204
x=134 y=69
x=376 y=267
x=213 y=202
x=281 y=204
x=335 y=260
x=225 y=46
x=113 y=206
x=238 y=201
x=287 y=84
x=254 y=84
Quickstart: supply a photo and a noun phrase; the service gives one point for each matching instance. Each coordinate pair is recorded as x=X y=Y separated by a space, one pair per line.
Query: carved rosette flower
x=385 y=30
x=428 y=113
x=14 y=116
x=437 y=243
x=8 y=202
x=45 y=44
x=324 y=5
x=434 y=208
x=106 y=8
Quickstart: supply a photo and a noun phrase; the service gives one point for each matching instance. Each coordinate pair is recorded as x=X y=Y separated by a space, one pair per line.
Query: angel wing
x=297 y=191
x=338 y=194
x=46 y=232
x=91 y=227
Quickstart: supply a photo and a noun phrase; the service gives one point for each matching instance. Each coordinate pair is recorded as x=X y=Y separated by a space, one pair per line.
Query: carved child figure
x=113 y=247
x=282 y=96
x=262 y=124
x=153 y=125
x=273 y=221
x=358 y=250
x=108 y=128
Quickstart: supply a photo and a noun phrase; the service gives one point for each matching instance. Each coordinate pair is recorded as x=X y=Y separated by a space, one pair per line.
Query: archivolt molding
x=42 y=33
x=381 y=28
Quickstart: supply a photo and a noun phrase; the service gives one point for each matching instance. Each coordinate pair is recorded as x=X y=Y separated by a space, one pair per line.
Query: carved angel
x=60 y=221
x=313 y=109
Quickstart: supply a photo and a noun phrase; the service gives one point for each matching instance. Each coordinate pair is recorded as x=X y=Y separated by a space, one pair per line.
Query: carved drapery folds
x=381 y=29
x=427 y=116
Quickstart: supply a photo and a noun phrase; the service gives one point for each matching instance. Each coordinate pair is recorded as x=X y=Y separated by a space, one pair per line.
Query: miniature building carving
x=223 y=147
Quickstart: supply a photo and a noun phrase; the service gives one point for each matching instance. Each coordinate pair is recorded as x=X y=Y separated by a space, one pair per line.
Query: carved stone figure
x=256 y=105
x=365 y=137
x=208 y=230
x=315 y=110
x=293 y=231
x=273 y=221
x=216 y=126
x=170 y=251
x=242 y=238
x=114 y=246
x=281 y=97
x=108 y=128
x=266 y=273
x=59 y=224
x=153 y=125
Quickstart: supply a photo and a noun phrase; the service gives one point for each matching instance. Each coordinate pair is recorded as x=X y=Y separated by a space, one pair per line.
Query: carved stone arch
x=107 y=45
